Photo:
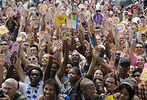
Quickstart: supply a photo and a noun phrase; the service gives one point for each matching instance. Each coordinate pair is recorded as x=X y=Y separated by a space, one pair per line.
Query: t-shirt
x=77 y=96
x=19 y=96
x=32 y=93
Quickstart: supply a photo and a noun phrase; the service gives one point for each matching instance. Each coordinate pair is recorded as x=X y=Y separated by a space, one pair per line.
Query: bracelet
x=51 y=55
x=107 y=42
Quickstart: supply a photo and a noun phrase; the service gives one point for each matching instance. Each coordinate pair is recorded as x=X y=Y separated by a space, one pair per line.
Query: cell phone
x=2 y=93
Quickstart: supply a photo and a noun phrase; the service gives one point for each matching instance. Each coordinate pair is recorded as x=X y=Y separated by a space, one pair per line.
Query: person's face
x=124 y=95
x=140 y=62
x=121 y=39
x=98 y=38
x=132 y=68
x=142 y=21
x=49 y=92
x=33 y=59
x=68 y=67
x=136 y=76
x=143 y=35
x=54 y=69
x=123 y=70
x=110 y=84
x=139 y=48
x=4 y=46
x=33 y=50
x=117 y=54
x=35 y=77
x=75 y=58
x=9 y=89
x=88 y=54
x=10 y=25
x=90 y=90
x=45 y=60
x=99 y=86
x=99 y=74
x=72 y=75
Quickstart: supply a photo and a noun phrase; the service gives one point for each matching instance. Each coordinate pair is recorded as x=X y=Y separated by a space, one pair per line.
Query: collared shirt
x=19 y=96
x=142 y=90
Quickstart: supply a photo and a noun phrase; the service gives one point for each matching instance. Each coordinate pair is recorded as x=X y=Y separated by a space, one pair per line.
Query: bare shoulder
x=40 y=97
x=60 y=97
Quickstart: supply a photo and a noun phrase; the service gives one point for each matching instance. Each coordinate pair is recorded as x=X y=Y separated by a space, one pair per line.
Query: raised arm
x=61 y=70
x=19 y=70
x=2 y=63
x=131 y=51
x=95 y=55
x=22 y=56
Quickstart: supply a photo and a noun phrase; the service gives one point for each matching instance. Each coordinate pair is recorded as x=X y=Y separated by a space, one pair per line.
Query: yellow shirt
x=143 y=28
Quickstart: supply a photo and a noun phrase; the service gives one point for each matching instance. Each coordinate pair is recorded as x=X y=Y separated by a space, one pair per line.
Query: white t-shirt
x=32 y=93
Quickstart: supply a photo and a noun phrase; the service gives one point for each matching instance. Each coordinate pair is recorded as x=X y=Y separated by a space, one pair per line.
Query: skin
x=49 y=92
x=123 y=70
x=33 y=50
x=123 y=95
x=136 y=77
x=75 y=58
x=132 y=68
x=72 y=76
x=53 y=69
x=68 y=67
x=140 y=62
x=4 y=46
x=90 y=91
x=121 y=39
x=110 y=84
x=45 y=59
x=35 y=77
x=33 y=59
x=139 y=50
x=99 y=74
x=99 y=87
x=9 y=89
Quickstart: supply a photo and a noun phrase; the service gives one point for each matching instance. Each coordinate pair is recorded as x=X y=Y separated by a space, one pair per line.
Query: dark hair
x=55 y=62
x=112 y=75
x=137 y=70
x=52 y=82
x=142 y=17
x=77 y=71
x=36 y=68
x=5 y=40
x=140 y=43
x=12 y=21
x=98 y=79
x=127 y=87
x=33 y=45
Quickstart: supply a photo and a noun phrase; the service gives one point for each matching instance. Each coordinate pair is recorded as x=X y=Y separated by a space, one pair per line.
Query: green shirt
x=19 y=96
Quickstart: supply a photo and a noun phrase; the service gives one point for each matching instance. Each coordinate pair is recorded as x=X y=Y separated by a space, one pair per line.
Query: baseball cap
x=124 y=61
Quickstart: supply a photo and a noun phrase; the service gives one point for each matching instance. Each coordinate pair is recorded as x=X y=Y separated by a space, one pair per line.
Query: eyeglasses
x=117 y=54
x=31 y=59
x=136 y=75
x=139 y=47
x=4 y=44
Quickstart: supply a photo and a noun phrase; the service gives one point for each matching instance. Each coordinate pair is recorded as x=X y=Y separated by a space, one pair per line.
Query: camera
x=2 y=93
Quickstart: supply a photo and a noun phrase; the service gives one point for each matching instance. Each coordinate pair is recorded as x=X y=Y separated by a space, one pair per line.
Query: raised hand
x=95 y=52
x=2 y=59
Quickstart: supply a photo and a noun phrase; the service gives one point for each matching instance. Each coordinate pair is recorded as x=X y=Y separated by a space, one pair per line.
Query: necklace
x=32 y=93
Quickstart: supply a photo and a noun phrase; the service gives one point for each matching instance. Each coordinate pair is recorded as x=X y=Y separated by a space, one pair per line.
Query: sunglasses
x=31 y=59
x=139 y=47
x=136 y=76
x=4 y=44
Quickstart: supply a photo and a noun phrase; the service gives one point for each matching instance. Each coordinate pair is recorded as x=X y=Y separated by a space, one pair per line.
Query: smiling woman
x=51 y=91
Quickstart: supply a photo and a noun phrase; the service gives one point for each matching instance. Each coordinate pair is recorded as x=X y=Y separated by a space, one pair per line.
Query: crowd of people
x=73 y=50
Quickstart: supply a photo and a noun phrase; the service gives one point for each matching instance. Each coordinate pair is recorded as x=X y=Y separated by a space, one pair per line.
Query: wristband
x=51 y=55
x=107 y=42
